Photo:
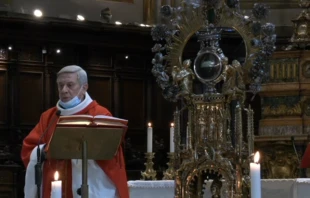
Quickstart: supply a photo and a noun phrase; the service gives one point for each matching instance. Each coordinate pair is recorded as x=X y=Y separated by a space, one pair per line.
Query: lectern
x=92 y=138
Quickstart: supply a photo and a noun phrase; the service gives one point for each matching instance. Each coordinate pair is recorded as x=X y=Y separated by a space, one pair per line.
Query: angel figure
x=233 y=80
x=184 y=77
x=216 y=188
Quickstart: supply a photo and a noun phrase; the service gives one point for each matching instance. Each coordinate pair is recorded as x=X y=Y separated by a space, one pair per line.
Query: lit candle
x=255 y=177
x=149 y=138
x=56 y=186
x=172 y=138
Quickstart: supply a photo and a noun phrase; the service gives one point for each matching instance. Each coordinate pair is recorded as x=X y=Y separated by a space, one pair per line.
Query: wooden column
x=151 y=9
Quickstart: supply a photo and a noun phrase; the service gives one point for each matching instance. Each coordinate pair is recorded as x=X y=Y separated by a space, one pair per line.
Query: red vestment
x=114 y=169
x=305 y=162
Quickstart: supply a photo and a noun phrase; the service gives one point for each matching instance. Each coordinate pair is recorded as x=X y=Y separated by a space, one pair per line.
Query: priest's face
x=69 y=87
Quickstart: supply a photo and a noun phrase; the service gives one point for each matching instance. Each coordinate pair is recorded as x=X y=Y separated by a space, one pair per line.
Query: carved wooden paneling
x=53 y=87
x=3 y=96
x=3 y=54
x=61 y=56
x=30 y=54
x=100 y=57
x=100 y=89
x=129 y=61
x=132 y=96
x=31 y=97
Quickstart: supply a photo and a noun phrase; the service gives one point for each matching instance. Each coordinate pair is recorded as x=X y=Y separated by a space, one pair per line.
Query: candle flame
x=56 y=175
x=172 y=124
x=256 y=157
x=149 y=124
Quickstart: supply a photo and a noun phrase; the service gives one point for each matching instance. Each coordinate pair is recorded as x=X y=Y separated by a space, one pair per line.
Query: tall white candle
x=56 y=186
x=149 y=138
x=172 y=138
x=255 y=177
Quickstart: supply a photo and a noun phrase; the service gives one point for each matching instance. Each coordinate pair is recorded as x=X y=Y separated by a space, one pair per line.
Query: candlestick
x=149 y=173
x=169 y=174
x=172 y=138
x=149 y=138
x=255 y=177
x=56 y=187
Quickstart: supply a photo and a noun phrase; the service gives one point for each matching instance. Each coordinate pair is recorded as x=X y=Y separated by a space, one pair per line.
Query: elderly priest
x=106 y=178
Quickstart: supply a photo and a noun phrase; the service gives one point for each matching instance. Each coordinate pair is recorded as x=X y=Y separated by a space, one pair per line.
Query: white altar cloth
x=271 y=188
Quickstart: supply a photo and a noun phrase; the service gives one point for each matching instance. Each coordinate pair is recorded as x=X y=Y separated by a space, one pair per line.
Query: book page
x=108 y=123
x=75 y=120
x=76 y=116
x=98 y=118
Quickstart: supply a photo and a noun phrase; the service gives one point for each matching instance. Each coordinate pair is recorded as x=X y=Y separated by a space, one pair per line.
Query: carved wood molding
x=264 y=139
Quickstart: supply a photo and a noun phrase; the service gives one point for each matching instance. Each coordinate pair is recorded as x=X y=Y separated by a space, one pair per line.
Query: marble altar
x=271 y=188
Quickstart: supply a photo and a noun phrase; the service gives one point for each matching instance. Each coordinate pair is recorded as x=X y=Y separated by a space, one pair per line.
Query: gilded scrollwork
x=306 y=106
x=306 y=69
x=280 y=161
x=282 y=110
x=283 y=106
x=217 y=149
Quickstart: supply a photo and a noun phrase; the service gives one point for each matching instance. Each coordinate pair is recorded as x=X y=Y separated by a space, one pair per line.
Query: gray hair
x=82 y=75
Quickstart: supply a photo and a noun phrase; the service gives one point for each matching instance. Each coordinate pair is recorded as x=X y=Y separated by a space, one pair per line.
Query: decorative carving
x=216 y=188
x=283 y=70
x=184 y=78
x=5 y=152
x=280 y=161
x=30 y=54
x=233 y=81
x=301 y=34
x=210 y=152
x=3 y=54
x=149 y=173
x=280 y=130
x=282 y=110
x=281 y=106
x=306 y=69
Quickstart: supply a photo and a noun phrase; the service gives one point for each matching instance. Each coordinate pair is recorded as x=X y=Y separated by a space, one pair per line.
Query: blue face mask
x=71 y=103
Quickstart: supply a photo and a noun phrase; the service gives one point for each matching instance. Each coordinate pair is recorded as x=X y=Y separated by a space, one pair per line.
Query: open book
x=88 y=120
x=104 y=135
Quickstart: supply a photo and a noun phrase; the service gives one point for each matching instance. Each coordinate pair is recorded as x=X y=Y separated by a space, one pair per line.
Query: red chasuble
x=114 y=169
x=305 y=162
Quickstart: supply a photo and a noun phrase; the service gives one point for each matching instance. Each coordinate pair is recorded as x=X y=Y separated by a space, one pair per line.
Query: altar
x=271 y=188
